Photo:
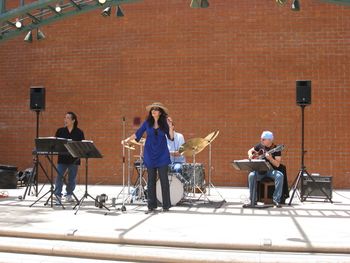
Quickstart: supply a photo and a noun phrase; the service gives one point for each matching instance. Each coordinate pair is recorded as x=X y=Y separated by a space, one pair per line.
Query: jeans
x=274 y=174
x=151 y=186
x=72 y=174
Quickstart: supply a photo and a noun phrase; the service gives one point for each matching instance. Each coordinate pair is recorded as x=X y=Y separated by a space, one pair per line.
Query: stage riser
x=109 y=252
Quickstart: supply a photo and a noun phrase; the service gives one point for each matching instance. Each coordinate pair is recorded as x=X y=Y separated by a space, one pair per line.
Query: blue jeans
x=72 y=174
x=274 y=174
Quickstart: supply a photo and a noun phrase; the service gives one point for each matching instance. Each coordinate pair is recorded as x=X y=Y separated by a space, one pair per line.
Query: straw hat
x=157 y=105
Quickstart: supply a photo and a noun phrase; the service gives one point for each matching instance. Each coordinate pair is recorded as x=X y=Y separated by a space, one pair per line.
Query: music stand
x=50 y=146
x=84 y=149
x=251 y=165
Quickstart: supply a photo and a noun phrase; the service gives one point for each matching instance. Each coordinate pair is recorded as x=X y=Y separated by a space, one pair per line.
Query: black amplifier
x=311 y=189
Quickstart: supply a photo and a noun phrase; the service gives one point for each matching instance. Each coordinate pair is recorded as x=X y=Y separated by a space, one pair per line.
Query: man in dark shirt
x=69 y=131
x=265 y=145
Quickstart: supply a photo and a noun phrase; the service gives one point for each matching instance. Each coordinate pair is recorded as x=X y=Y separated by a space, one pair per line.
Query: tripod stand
x=210 y=183
x=302 y=172
x=33 y=177
x=87 y=150
x=50 y=147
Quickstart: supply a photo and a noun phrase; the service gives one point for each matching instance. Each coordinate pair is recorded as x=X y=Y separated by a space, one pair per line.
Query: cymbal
x=212 y=136
x=141 y=142
x=193 y=146
x=129 y=146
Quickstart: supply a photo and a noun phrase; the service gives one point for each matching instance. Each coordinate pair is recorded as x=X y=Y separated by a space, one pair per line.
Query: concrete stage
x=202 y=232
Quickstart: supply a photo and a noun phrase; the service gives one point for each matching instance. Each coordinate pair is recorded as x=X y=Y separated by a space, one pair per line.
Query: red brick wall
x=230 y=67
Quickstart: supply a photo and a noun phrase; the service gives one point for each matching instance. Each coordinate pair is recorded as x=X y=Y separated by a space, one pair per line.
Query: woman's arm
x=136 y=136
x=132 y=137
x=171 y=128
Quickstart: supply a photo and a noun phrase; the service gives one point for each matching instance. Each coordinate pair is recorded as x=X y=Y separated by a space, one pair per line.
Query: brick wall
x=230 y=67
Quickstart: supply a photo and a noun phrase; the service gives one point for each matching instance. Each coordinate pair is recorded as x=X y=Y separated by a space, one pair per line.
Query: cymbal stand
x=129 y=170
x=195 y=185
x=129 y=176
x=139 y=183
x=123 y=208
x=210 y=184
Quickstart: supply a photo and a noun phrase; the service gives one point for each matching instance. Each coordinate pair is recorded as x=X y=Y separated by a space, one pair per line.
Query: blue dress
x=156 y=153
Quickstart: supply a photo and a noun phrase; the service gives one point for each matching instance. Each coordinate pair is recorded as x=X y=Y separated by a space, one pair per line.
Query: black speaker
x=311 y=189
x=303 y=92
x=37 y=98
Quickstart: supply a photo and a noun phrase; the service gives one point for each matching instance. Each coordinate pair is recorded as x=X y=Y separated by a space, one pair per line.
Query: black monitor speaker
x=37 y=98
x=303 y=92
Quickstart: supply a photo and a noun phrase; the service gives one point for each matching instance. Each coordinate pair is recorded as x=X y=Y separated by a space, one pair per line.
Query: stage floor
x=314 y=231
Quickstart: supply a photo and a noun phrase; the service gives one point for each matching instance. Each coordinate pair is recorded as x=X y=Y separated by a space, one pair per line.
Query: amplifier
x=311 y=189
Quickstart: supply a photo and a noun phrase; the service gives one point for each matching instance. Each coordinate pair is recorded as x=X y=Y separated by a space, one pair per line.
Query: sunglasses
x=156 y=108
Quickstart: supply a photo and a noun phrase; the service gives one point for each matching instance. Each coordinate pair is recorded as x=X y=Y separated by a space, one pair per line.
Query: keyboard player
x=67 y=162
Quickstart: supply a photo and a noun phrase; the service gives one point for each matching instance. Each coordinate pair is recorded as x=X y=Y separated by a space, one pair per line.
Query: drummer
x=176 y=158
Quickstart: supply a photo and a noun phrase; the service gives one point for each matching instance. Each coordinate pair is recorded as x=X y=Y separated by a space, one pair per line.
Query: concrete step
x=43 y=250
x=33 y=258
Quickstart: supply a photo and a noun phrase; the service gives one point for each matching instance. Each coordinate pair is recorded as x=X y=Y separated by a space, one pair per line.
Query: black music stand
x=50 y=146
x=251 y=165
x=87 y=150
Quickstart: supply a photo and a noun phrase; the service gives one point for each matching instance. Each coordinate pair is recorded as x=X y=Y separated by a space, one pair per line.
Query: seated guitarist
x=265 y=145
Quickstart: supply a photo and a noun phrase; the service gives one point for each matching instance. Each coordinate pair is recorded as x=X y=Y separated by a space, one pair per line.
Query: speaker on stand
x=303 y=99
x=303 y=92
x=36 y=104
x=37 y=99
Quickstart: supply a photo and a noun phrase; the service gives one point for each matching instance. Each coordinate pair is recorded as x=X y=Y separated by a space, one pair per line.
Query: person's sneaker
x=249 y=205
x=58 y=200
x=69 y=199
x=150 y=211
x=276 y=204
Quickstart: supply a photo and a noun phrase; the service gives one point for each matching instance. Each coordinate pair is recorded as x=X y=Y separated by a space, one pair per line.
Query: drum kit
x=184 y=182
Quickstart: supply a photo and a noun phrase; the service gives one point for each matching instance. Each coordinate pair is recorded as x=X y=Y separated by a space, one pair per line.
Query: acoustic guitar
x=262 y=153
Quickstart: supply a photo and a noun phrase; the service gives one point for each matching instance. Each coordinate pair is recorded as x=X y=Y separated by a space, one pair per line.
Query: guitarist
x=260 y=150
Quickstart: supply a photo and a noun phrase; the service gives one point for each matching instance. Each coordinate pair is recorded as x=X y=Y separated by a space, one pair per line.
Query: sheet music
x=54 y=138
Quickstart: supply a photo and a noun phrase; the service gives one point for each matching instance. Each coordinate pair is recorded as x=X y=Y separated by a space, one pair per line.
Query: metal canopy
x=43 y=12
x=339 y=2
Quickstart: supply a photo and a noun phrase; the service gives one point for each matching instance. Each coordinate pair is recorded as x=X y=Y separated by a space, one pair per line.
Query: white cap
x=267 y=135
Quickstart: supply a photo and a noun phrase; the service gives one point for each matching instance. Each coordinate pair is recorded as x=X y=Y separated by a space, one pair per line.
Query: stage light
x=18 y=23
x=281 y=2
x=296 y=5
x=204 y=4
x=58 y=8
x=40 y=35
x=119 y=12
x=29 y=37
x=195 y=4
x=107 y=11
x=199 y=4
x=102 y=1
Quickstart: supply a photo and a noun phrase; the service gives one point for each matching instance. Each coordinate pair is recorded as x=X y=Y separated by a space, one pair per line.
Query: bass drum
x=176 y=189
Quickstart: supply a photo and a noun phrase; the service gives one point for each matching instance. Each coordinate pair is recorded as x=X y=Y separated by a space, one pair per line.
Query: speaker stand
x=33 y=179
x=299 y=179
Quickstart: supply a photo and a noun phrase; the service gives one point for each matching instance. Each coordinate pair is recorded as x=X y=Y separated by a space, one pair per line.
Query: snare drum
x=188 y=170
x=176 y=187
x=175 y=168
